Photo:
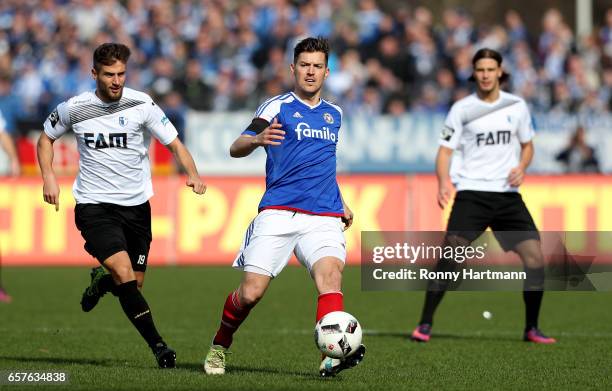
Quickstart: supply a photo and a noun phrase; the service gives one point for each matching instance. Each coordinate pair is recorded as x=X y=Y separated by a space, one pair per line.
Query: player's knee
x=250 y=295
x=534 y=262
x=334 y=278
x=140 y=277
x=533 y=259
x=329 y=280
x=250 y=299
x=123 y=273
x=530 y=253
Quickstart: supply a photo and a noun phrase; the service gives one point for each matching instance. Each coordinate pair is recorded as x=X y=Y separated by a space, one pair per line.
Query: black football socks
x=532 y=296
x=138 y=312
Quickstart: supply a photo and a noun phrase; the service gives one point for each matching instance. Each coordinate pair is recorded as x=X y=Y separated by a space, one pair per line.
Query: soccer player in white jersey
x=302 y=211
x=112 y=126
x=6 y=141
x=486 y=130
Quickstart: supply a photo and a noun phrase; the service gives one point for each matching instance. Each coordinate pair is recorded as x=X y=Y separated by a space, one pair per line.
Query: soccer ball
x=338 y=334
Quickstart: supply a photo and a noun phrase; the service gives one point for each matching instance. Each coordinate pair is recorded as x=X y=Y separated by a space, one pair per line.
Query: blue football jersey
x=301 y=172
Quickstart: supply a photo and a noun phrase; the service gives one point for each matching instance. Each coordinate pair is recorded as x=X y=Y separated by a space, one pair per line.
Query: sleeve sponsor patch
x=447 y=133
x=53 y=118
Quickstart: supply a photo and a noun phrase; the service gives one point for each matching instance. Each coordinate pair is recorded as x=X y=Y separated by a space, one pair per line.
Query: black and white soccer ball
x=338 y=334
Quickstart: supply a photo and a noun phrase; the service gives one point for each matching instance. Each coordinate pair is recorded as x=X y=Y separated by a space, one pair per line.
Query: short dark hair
x=109 y=53
x=492 y=54
x=311 y=45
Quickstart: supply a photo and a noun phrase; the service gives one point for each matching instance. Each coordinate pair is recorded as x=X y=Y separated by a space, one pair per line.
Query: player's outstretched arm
x=245 y=144
x=445 y=189
x=184 y=158
x=517 y=174
x=51 y=190
x=9 y=147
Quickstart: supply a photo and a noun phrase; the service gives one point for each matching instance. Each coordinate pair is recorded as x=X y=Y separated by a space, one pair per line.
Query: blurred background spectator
x=8 y=147
x=578 y=156
x=229 y=55
x=387 y=58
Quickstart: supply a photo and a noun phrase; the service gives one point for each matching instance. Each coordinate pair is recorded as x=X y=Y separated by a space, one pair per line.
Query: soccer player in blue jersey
x=302 y=210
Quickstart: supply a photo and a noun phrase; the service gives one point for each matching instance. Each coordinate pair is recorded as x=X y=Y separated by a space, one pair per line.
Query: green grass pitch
x=44 y=329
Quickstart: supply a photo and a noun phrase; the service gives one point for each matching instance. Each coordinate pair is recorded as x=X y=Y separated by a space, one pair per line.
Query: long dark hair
x=489 y=53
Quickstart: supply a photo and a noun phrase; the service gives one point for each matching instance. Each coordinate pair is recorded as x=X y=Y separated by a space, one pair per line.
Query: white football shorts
x=275 y=234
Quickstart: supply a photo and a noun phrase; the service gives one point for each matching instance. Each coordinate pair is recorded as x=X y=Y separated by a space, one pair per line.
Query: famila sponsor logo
x=303 y=130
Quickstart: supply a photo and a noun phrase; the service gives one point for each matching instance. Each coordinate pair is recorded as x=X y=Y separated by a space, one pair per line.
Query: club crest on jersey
x=164 y=120
x=447 y=133
x=328 y=118
x=123 y=121
x=53 y=118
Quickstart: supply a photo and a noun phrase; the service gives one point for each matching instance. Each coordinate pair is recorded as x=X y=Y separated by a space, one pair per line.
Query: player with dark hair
x=114 y=185
x=108 y=54
x=486 y=129
x=302 y=211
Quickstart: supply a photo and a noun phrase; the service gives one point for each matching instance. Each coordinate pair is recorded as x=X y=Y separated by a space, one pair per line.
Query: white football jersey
x=113 y=140
x=486 y=138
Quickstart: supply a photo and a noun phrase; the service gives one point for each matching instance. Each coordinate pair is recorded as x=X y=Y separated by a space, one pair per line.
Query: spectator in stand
x=429 y=102
x=172 y=104
x=191 y=86
x=9 y=105
x=605 y=35
x=578 y=156
x=445 y=81
x=246 y=45
x=8 y=146
x=517 y=31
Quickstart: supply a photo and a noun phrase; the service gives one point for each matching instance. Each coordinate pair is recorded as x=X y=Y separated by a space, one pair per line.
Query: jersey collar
x=306 y=104
x=495 y=102
x=101 y=102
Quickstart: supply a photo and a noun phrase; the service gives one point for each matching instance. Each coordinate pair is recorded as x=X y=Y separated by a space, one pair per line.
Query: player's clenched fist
x=272 y=135
x=196 y=184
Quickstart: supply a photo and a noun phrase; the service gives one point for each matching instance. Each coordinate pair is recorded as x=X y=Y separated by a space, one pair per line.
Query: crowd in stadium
x=220 y=56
